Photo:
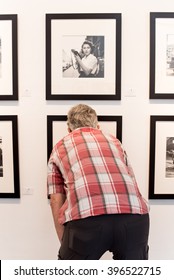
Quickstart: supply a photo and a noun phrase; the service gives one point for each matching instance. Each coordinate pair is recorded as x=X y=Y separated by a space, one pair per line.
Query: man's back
x=96 y=174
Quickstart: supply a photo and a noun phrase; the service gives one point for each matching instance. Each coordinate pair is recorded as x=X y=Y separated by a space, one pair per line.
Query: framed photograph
x=161 y=55
x=83 y=56
x=57 y=128
x=8 y=58
x=9 y=158
x=161 y=171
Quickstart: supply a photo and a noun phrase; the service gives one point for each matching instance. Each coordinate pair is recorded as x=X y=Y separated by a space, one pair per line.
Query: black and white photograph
x=170 y=55
x=81 y=53
x=1 y=158
x=170 y=157
x=8 y=58
x=9 y=157
x=83 y=56
x=161 y=55
x=161 y=165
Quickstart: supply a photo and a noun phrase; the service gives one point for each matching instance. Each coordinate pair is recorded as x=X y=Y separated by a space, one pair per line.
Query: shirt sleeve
x=55 y=181
x=92 y=61
x=124 y=157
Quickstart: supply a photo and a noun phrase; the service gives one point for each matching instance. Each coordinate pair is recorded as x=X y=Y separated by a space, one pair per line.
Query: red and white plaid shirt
x=93 y=171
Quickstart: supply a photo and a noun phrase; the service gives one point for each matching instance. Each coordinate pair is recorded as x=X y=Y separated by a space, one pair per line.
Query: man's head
x=82 y=115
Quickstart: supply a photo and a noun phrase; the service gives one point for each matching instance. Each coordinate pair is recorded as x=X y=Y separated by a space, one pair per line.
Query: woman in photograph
x=88 y=63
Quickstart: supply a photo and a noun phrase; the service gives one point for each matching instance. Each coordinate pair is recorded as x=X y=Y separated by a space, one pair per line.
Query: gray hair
x=81 y=115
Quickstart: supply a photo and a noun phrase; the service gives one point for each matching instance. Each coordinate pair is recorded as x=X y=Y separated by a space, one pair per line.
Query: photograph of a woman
x=84 y=61
x=88 y=64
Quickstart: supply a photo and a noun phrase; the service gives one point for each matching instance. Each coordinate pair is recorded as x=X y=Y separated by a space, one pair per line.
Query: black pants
x=125 y=235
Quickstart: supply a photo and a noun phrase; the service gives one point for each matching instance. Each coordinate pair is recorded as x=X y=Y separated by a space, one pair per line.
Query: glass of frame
x=65 y=35
x=161 y=175
x=57 y=128
x=9 y=159
x=161 y=55
x=8 y=58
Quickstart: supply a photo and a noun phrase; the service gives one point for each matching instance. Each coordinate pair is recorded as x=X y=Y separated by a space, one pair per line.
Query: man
x=94 y=197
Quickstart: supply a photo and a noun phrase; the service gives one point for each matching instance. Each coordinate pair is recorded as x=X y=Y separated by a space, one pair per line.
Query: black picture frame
x=9 y=158
x=107 y=87
x=161 y=165
x=63 y=118
x=8 y=57
x=161 y=55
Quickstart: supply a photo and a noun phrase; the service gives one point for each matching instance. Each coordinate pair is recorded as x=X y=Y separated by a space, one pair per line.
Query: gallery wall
x=27 y=230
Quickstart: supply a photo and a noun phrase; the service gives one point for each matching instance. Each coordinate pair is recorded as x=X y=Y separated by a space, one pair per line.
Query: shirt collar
x=86 y=129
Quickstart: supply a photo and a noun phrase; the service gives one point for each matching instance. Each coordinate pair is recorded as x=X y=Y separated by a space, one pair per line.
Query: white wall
x=26 y=230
